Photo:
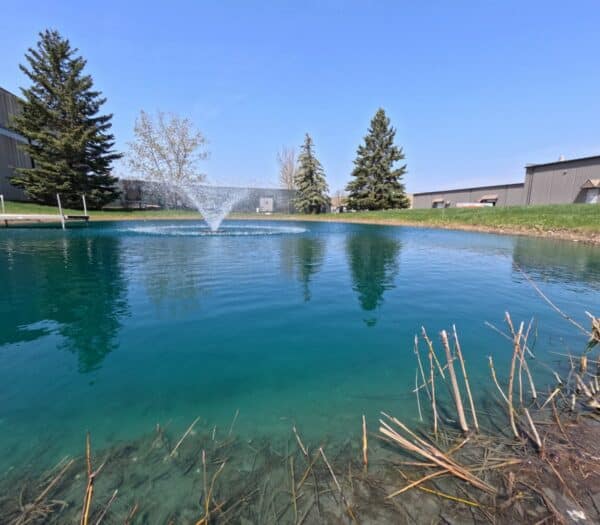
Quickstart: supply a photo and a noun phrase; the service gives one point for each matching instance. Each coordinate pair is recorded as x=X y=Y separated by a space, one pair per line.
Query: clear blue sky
x=475 y=89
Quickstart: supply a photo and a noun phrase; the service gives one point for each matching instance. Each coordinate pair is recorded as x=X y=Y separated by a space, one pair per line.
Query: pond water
x=114 y=327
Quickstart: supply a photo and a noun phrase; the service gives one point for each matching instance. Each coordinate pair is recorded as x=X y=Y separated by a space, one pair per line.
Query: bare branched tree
x=166 y=148
x=286 y=158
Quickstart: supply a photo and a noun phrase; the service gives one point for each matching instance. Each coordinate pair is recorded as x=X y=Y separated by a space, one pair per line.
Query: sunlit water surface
x=114 y=327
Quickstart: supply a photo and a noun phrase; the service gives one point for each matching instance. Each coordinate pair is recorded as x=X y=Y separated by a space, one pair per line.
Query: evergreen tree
x=69 y=142
x=309 y=179
x=377 y=184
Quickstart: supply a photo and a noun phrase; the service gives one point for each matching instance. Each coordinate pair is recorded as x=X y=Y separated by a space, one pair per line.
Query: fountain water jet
x=213 y=202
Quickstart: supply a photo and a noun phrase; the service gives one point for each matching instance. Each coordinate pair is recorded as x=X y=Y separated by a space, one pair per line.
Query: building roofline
x=566 y=161
x=9 y=92
x=474 y=188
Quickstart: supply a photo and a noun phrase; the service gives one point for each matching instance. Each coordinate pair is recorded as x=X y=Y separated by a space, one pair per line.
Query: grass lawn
x=574 y=217
x=582 y=218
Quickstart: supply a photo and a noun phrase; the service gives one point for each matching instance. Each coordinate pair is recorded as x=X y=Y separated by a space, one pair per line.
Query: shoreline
x=592 y=238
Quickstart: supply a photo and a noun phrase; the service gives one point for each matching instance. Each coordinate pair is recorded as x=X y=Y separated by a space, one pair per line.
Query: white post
x=62 y=217
x=84 y=204
x=2 y=202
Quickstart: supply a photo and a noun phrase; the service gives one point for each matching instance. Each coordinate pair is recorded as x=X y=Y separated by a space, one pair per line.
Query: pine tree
x=69 y=142
x=309 y=179
x=377 y=184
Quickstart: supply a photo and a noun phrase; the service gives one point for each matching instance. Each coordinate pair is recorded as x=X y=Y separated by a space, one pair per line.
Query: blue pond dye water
x=117 y=326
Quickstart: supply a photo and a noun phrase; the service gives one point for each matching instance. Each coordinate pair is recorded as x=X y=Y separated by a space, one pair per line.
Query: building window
x=592 y=196
x=490 y=200
x=591 y=191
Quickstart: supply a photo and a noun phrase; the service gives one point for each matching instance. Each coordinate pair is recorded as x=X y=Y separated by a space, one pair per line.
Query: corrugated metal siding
x=11 y=155
x=560 y=183
x=9 y=105
x=508 y=195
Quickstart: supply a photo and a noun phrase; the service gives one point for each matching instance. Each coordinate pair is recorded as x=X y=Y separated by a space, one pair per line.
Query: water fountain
x=213 y=202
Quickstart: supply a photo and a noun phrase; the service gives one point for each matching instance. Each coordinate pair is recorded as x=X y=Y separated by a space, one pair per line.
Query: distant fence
x=141 y=194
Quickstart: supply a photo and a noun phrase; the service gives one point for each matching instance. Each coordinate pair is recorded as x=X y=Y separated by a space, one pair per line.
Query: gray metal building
x=11 y=156
x=560 y=182
x=501 y=195
x=563 y=181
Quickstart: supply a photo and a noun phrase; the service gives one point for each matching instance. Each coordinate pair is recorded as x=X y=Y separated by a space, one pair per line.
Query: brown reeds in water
x=465 y=377
x=462 y=420
x=430 y=452
x=181 y=440
x=365 y=445
x=91 y=477
x=445 y=477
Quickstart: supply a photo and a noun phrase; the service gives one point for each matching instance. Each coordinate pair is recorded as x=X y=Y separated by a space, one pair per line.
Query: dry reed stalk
x=453 y=381
x=237 y=413
x=529 y=376
x=507 y=337
x=428 y=382
x=209 y=490
x=466 y=378
x=417 y=483
x=183 y=437
x=418 y=354
x=131 y=514
x=583 y=364
x=365 y=444
x=110 y=502
x=307 y=472
x=428 y=451
x=550 y=398
x=564 y=483
x=300 y=444
x=433 y=405
x=524 y=365
x=430 y=345
x=493 y=370
x=537 y=440
x=582 y=386
x=204 y=482
x=450 y=497
x=54 y=481
x=348 y=508
x=89 y=489
x=417 y=394
x=443 y=494
x=558 y=423
x=293 y=484
x=511 y=377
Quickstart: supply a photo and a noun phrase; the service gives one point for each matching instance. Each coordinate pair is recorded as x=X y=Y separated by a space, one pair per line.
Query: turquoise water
x=114 y=327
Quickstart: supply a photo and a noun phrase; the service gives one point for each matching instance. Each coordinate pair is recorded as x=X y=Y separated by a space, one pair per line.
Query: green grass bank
x=570 y=221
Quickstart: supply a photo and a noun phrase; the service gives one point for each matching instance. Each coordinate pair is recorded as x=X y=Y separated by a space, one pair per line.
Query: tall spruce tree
x=377 y=184
x=69 y=142
x=309 y=179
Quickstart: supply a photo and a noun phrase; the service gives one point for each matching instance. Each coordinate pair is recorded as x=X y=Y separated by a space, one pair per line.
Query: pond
x=115 y=327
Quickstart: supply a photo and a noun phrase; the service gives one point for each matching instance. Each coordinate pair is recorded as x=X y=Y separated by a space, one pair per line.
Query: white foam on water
x=195 y=230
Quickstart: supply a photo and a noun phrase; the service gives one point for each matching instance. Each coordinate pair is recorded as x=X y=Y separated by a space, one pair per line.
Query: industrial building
x=559 y=182
x=11 y=156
